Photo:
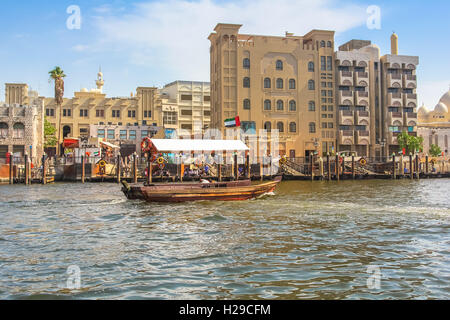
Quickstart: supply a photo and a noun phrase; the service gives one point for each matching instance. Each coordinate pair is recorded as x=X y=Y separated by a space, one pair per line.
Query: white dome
x=84 y=90
x=423 y=110
x=441 y=108
x=446 y=99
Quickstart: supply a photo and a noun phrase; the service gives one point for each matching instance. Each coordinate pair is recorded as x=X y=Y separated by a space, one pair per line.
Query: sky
x=152 y=43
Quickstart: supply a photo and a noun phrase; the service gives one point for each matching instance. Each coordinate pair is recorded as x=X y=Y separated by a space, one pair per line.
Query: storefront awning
x=71 y=143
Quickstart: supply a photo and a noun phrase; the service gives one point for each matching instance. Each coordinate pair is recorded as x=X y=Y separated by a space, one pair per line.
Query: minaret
x=100 y=81
x=394 y=44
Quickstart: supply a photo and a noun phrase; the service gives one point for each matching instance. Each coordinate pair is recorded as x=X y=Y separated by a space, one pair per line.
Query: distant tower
x=394 y=44
x=100 y=81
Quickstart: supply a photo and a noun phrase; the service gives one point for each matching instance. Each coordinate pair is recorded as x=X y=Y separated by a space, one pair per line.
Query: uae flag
x=234 y=122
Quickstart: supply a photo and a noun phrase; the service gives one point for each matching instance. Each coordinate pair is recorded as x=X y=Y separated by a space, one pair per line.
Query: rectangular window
x=100 y=113
x=344 y=108
x=67 y=112
x=360 y=128
x=394 y=129
x=207 y=113
x=185 y=97
x=186 y=112
x=170 y=118
x=324 y=108
x=324 y=116
x=116 y=113
x=330 y=116
x=330 y=125
x=83 y=131
x=324 y=100
x=393 y=109
x=123 y=134
x=329 y=63
x=131 y=113
x=330 y=108
x=330 y=84
x=111 y=134
x=186 y=126
x=324 y=93
x=101 y=133
x=144 y=133
x=344 y=128
x=323 y=66
x=324 y=125
x=330 y=93
x=330 y=100
x=207 y=98
x=132 y=134
x=324 y=84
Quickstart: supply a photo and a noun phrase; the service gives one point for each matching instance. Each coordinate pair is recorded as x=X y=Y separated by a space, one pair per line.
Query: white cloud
x=80 y=48
x=430 y=92
x=172 y=35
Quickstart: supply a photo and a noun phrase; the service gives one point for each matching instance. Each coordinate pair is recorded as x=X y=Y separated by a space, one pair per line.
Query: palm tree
x=57 y=75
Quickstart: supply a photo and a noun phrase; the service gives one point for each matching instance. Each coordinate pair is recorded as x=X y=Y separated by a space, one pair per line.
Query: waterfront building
x=434 y=125
x=321 y=101
x=21 y=130
x=186 y=106
x=127 y=137
x=93 y=107
x=274 y=83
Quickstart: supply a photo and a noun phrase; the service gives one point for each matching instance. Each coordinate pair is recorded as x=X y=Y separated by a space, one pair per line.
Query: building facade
x=434 y=125
x=321 y=101
x=186 y=106
x=21 y=130
x=274 y=83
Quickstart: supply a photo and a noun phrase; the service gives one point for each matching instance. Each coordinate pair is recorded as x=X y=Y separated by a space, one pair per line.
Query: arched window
x=279 y=83
x=280 y=105
x=329 y=44
x=312 y=127
x=246 y=82
x=3 y=130
x=280 y=126
x=311 y=106
x=292 y=84
x=279 y=65
x=246 y=63
x=311 y=85
x=311 y=67
x=267 y=83
x=268 y=126
x=267 y=105
x=322 y=44
x=292 y=105
x=246 y=104
x=19 y=130
x=293 y=127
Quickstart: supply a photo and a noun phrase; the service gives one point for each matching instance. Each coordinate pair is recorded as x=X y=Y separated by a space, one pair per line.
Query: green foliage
x=56 y=73
x=49 y=134
x=410 y=143
x=435 y=151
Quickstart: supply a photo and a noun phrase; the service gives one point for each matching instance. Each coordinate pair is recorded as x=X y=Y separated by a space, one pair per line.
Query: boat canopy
x=110 y=145
x=177 y=145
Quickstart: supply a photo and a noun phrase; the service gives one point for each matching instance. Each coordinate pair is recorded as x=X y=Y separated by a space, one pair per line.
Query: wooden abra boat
x=182 y=192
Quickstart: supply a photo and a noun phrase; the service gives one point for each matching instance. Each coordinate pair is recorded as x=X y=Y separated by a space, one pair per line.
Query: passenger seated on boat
x=204 y=181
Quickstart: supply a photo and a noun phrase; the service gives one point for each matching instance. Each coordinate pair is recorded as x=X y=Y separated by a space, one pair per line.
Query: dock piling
x=26 y=171
x=44 y=171
x=411 y=171
x=329 y=167
x=11 y=167
x=83 y=169
x=119 y=167
x=337 y=169
x=394 y=168
x=426 y=164
x=353 y=167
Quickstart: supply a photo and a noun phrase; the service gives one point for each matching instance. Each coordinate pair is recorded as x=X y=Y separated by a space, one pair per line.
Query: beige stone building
x=186 y=106
x=434 y=125
x=320 y=100
x=275 y=83
x=21 y=130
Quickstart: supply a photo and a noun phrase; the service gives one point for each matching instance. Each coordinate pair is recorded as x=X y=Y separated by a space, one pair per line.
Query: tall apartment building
x=186 y=105
x=320 y=100
x=275 y=82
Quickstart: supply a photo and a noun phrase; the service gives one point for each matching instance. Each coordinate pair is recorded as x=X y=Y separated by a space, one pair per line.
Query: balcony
x=410 y=100
x=395 y=119
x=346 y=97
x=362 y=117
x=346 y=137
x=362 y=79
x=345 y=78
x=392 y=138
x=346 y=117
x=409 y=81
x=395 y=99
x=362 y=98
x=394 y=80
x=362 y=137
x=410 y=119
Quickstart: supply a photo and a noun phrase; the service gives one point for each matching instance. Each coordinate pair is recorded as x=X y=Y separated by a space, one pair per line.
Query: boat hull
x=236 y=191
